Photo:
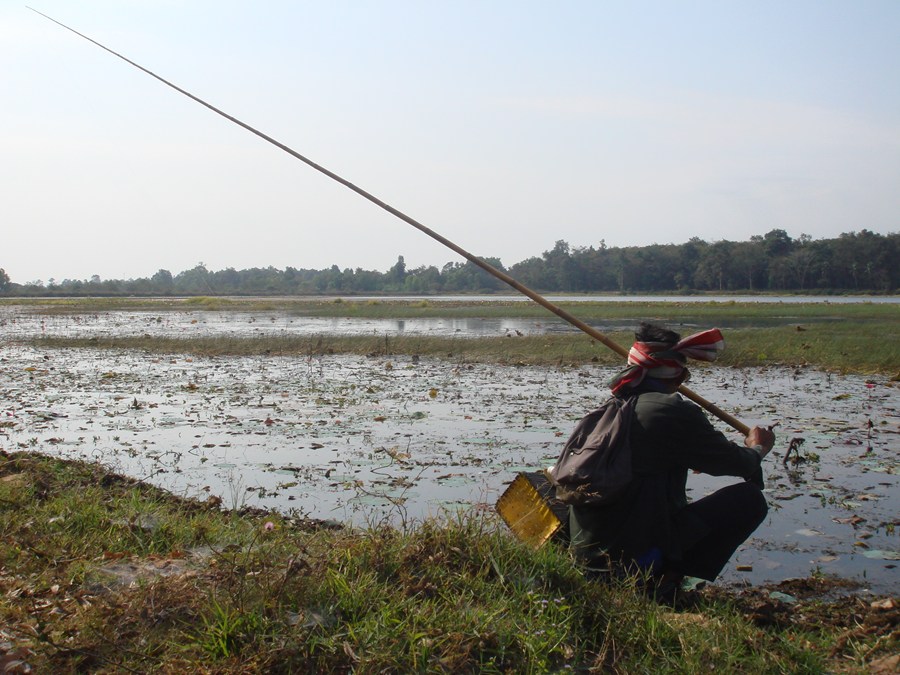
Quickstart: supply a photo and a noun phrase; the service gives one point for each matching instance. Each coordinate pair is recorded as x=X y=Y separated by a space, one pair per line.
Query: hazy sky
x=504 y=126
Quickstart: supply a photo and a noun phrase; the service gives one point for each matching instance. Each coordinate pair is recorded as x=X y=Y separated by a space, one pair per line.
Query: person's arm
x=702 y=447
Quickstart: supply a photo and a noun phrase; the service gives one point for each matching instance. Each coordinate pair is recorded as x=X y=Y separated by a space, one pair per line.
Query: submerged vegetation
x=103 y=573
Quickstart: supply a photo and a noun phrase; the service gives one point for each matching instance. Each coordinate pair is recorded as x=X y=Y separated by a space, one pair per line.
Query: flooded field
x=187 y=324
x=26 y=322
x=359 y=439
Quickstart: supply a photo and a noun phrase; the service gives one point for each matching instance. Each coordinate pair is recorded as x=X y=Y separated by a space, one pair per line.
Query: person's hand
x=762 y=437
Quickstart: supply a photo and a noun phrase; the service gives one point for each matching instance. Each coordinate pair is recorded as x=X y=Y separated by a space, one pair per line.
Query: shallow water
x=788 y=299
x=358 y=439
x=24 y=322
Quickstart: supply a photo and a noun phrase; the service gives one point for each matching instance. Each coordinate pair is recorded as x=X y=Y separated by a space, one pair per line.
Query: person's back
x=669 y=433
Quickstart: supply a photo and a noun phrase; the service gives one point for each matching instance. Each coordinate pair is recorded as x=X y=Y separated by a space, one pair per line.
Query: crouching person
x=650 y=527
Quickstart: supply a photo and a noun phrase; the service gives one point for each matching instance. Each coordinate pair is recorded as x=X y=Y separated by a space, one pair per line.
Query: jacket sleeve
x=692 y=442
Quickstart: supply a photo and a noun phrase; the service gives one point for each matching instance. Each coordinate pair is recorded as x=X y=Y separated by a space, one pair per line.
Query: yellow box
x=527 y=507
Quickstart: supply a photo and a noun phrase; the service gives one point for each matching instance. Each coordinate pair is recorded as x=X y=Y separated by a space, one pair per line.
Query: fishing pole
x=487 y=267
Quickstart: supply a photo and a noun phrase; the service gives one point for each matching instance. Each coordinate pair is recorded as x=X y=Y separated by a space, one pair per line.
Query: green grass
x=452 y=595
x=706 y=313
x=859 y=347
x=860 y=337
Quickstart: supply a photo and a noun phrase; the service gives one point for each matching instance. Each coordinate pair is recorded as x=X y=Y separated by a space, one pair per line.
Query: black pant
x=732 y=514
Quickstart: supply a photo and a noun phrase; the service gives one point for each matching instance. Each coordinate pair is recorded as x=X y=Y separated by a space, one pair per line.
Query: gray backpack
x=594 y=467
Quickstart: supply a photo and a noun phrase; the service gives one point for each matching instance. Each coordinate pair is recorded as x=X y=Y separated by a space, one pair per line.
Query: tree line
x=863 y=261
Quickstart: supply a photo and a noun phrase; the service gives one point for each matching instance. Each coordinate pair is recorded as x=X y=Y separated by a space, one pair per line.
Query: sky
x=504 y=126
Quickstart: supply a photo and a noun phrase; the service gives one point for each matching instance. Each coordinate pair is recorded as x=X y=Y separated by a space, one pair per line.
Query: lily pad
x=882 y=555
x=783 y=597
x=807 y=532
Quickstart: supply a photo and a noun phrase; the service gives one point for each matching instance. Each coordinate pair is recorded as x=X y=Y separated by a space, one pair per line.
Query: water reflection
x=180 y=324
x=788 y=299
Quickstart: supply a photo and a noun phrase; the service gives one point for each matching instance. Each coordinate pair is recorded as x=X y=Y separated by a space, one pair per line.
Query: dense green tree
x=397 y=273
x=227 y=281
x=366 y=281
x=749 y=263
x=562 y=272
x=776 y=243
x=802 y=262
x=866 y=260
x=597 y=268
x=532 y=272
x=195 y=281
x=861 y=261
x=163 y=281
x=713 y=267
x=469 y=277
x=423 y=280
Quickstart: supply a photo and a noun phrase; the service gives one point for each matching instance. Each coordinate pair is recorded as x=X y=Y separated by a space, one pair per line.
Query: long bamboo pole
x=490 y=269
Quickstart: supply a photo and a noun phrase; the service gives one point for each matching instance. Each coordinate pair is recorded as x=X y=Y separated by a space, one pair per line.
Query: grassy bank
x=103 y=573
x=599 y=310
x=865 y=348
x=860 y=337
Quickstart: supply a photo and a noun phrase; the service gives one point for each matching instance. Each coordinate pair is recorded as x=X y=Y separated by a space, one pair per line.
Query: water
x=187 y=324
x=365 y=439
x=789 y=299
x=25 y=322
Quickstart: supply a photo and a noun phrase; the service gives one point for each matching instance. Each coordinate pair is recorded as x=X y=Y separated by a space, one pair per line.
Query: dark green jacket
x=669 y=437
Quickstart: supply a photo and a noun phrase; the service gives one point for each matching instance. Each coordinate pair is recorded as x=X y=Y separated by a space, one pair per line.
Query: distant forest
x=858 y=262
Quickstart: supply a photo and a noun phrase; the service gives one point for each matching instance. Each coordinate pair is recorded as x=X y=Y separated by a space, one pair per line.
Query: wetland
x=372 y=411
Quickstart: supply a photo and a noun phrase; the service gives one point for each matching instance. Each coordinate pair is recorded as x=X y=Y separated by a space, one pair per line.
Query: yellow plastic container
x=527 y=507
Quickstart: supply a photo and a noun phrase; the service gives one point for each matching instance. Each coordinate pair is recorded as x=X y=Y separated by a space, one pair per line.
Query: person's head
x=659 y=341
x=651 y=332
x=661 y=355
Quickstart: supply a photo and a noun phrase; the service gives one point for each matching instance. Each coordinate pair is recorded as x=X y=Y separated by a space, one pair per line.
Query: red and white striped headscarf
x=664 y=360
